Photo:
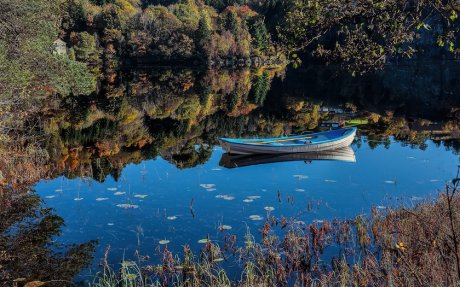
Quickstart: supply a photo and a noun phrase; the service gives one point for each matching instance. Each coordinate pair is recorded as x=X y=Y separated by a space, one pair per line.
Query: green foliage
x=204 y=29
x=367 y=34
x=261 y=36
x=232 y=101
x=261 y=88
x=28 y=65
x=231 y=22
x=85 y=47
x=187 y=13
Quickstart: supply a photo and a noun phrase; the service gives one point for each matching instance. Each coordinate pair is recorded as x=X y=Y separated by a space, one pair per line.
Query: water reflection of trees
x=28 y=252
x=178 y=114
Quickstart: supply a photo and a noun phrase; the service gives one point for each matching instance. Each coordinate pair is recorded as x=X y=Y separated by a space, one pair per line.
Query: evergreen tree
x=261 y=88
x=204 y=29
x=261 y=36
x=231 y=23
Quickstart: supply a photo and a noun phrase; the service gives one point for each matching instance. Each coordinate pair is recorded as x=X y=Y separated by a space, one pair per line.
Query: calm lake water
x=137 y=163
x=160 y=195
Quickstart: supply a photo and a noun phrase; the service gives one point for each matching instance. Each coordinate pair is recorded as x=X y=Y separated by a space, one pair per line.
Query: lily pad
x=225 y=227
x=128 y=206
x=207 y=185
x=256 y=217
x=269 y=208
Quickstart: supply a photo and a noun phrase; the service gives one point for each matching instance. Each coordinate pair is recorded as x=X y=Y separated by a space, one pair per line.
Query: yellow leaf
x=34 y=284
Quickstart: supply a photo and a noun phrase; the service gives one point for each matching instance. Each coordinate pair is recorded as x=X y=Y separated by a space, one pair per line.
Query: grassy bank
x=417 y=246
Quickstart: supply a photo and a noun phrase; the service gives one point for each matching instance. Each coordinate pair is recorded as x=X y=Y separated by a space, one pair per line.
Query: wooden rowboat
x=345 y=154
x=316 y=142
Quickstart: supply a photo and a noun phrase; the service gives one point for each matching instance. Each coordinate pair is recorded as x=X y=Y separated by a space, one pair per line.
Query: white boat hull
x=243 y=148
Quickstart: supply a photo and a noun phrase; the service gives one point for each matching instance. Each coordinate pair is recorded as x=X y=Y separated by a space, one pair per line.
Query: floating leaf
x=204 y=240
x=128 y=206
x=225 y=227
x=255 y=217
x=164 y=242
x=269 y=208
x=207 y=185
x=300 y=176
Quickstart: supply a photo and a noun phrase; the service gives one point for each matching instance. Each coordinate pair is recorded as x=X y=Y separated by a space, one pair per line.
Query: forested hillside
x=135 y=31
x=102 y=36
